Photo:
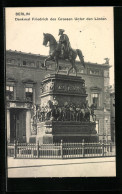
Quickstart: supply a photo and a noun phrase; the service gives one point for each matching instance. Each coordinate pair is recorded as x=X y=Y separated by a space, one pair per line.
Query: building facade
x=24 y=74
x=112 y=108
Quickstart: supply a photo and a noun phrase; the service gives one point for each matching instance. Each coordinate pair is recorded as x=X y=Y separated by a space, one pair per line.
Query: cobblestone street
x=86 y=167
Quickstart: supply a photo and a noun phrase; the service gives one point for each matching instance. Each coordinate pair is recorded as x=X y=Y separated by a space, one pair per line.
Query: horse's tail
x=81 y=57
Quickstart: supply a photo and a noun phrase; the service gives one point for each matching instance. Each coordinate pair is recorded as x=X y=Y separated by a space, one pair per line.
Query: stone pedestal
x=44 y=133
x=62 y=100
x=70 y=131
x=65 y=88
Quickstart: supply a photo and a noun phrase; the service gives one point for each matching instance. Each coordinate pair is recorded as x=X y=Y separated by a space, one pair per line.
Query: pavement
x=83 y=167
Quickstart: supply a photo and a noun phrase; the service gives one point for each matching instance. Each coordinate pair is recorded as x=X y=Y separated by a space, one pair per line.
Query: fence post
x=102 y=149
x=37 y=148
x=110 y=147
x=83 y=148
x=15 y=147
x=62 y=149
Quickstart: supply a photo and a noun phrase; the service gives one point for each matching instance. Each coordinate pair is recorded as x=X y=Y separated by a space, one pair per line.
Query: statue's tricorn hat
x=61 y=30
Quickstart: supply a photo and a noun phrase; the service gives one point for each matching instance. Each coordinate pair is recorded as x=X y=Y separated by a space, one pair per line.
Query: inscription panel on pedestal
x=64 y=84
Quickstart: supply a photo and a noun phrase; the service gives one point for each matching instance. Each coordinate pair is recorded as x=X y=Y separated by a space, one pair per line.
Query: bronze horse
x=55 y=55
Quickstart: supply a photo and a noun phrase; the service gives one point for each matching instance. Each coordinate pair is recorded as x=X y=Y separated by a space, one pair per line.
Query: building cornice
x=88 y=64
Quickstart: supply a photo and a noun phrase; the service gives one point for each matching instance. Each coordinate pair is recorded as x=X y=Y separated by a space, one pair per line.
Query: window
x=24 y=62
x=95 y=99
x=94 y=72
x=80 y=71
x=29 y=94
x=97 y=126
x=9 y=92
x=32 y=64
x=11 y=61
x=39 y=64
x=8 y=61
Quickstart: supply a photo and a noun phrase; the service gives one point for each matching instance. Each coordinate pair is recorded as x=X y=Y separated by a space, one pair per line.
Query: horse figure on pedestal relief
x=55 y=54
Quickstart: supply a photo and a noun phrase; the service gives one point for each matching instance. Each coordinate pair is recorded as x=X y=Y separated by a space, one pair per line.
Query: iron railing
x=61 y=150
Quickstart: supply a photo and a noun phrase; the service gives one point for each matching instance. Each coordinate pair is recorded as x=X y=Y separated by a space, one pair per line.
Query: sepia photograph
x=60 y=92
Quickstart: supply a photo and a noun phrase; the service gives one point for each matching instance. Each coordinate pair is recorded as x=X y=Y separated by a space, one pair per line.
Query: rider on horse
x=62 y=50
x=64 y=43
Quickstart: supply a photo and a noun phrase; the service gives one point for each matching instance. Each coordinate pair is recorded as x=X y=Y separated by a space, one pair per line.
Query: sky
x=92 y=33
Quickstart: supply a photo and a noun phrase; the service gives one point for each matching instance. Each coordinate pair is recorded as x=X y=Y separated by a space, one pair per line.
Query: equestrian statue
x=62 y=50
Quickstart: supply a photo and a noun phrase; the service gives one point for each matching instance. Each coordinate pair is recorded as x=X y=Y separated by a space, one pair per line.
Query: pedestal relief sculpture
x=64 y=111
